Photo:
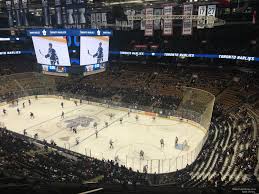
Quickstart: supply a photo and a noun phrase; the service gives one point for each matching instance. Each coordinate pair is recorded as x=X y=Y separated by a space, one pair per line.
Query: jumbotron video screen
x=94 y=52
x=51 y=50
x=59 y=54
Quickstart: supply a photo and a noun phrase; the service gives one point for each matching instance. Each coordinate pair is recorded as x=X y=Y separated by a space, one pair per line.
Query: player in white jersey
x=111 y=144
x=141 y=155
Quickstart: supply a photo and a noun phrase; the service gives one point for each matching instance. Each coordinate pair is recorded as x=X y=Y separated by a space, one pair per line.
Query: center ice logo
x=80 y=121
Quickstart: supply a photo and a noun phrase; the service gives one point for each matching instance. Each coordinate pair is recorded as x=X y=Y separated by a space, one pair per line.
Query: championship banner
x=124 y=25
x=81 y=11
x=129 y=13
x=64 y=16
x=9 y=12
x=142 y=22
x=75 y=11
x=201 y=23
x=58 y=11
x=25 y=12
x=45 y=12
x=149 y=23
x=187 y=23
x=254 y=17
x=93 y=21
x=70 y=12
x=98 y=17
x=211 y=12
x=118 y=24
x=104 y=19
x=16 y=5
x=168 y=23
x=157 y=22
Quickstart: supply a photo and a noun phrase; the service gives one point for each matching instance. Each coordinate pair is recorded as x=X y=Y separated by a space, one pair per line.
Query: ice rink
x=129 y=137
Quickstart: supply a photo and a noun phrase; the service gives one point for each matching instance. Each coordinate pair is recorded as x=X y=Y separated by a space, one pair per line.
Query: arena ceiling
x=36 y=4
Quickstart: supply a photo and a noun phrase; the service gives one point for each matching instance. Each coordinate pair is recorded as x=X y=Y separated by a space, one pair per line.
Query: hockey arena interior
x=121 y=96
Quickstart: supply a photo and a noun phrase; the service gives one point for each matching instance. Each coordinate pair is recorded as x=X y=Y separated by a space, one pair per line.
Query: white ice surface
x=129 y=137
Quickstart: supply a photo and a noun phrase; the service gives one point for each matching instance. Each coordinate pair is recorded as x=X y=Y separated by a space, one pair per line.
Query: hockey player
x=29 y=101
x=111 y=115
x=95 y=125
x=121 y=120
x=136 y=117
x=145 y=168
x=23 y=104
x=111 y=144
x=106 y=124
x=18 y=111
x=141 y=155
x=75 y=102
x=4 y=111
x=32 y=115
x=24 y=132
x=96 y=133
x=62 y=115
x=154 y=118
x=98 y=54
x=77 y=140
x=176 y=141
x=128 y=113
x=52 y=55
x=62 y=104
x=162 y=143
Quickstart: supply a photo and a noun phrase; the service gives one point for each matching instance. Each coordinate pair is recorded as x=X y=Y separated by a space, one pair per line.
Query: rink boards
x=129 y=137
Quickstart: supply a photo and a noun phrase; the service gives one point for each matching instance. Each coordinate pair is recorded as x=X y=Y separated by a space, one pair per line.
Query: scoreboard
x=64 y=51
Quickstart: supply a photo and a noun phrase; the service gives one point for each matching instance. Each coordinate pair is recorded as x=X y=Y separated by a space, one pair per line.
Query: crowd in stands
x=9 y=65
x=20 y=158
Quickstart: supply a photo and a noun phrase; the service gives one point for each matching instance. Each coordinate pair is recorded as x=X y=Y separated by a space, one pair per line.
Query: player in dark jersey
x=32 y=115
x=99 y=53
x=18 y=111
x=52 y=55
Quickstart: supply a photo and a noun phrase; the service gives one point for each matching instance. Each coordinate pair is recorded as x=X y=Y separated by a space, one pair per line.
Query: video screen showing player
x=51 y=50
x=94 y=50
